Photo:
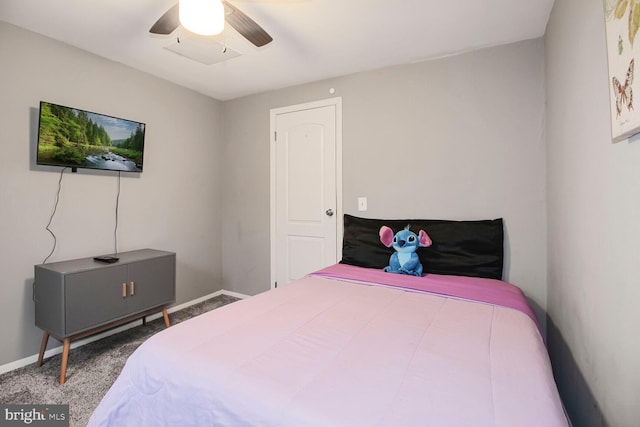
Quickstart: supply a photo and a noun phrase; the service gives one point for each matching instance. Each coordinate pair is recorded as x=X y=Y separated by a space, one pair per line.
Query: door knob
x=329 y=212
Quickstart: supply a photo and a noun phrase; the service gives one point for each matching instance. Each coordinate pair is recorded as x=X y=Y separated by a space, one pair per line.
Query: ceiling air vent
x=205 y=50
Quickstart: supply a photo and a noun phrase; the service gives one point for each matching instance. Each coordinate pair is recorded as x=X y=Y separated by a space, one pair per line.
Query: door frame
x=337 y=102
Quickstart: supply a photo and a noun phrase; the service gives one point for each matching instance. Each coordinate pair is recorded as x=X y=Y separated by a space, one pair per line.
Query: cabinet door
x=154 y=283
x=94 y=297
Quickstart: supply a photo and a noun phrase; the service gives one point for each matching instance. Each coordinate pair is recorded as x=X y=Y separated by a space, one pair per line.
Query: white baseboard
x=234 y=294
x=57 y=350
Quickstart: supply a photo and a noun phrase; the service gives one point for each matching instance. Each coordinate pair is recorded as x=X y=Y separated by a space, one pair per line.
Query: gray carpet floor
x=91 y=370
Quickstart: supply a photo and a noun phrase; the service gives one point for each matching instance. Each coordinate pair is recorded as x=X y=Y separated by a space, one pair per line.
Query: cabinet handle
x=132 y=288
x=124 y=290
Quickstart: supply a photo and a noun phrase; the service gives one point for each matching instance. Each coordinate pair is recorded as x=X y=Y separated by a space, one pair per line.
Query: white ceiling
x=313 y=39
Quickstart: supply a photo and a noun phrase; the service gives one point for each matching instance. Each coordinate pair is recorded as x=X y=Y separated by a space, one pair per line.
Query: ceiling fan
x=246 y=26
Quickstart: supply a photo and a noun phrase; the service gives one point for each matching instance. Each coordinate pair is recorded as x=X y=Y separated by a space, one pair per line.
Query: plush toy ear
x=386 y=235
x=425 y=240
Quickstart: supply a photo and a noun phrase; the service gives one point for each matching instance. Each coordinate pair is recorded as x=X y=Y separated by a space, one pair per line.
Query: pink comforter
x=328 y=352
x=476 y=289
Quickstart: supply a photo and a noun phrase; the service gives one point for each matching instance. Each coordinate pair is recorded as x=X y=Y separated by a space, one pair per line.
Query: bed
x=348 y=345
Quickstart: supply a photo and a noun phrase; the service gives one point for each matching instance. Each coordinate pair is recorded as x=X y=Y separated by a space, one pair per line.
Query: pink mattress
x=338 y=351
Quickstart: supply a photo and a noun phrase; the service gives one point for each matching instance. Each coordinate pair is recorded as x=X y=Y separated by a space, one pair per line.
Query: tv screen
x=75 y=138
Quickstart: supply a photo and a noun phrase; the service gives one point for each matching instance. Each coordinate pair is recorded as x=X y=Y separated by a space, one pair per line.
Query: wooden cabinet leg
x=166 y=317
x=65 y=359
x=43 y=346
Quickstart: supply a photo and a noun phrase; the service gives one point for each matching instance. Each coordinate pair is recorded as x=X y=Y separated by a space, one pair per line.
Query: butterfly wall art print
x=624 y=92
x=622 y=22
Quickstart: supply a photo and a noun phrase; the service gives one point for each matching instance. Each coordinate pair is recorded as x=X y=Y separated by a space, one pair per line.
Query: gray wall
x=458 y=138
x=594 y=226
x=172 y=205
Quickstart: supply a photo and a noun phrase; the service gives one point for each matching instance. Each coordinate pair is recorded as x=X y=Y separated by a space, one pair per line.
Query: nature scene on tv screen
x=77 y=138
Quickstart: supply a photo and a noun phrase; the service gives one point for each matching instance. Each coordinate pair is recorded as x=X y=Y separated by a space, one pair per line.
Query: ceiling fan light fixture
x=204 y=17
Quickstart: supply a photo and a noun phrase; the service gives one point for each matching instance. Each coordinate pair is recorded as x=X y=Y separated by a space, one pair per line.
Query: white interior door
x=305 y=195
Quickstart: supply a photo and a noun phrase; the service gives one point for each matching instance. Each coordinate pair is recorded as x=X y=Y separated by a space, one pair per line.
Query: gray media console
x=82 y=297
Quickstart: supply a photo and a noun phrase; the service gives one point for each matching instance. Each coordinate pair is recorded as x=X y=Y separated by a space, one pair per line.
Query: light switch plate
x=362 y=204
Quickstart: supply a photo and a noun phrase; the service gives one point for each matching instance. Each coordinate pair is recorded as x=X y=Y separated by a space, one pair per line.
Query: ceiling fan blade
x=167 y=22
x=246 y=26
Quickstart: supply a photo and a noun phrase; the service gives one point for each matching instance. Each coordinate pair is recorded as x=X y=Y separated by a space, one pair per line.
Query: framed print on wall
x=622 y=21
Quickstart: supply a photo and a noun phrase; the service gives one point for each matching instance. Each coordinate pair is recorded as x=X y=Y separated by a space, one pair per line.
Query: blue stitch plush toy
x=405 y=259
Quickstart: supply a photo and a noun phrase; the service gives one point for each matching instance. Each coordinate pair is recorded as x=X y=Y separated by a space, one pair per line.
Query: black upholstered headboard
x=463 y=248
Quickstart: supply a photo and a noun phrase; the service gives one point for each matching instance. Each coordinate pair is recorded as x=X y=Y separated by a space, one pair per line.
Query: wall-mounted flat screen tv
x=75 y=138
